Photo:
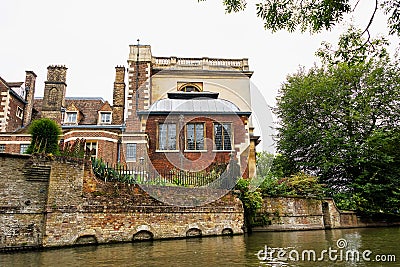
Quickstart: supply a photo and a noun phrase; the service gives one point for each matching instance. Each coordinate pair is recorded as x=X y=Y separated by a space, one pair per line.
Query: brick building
x=175 y=112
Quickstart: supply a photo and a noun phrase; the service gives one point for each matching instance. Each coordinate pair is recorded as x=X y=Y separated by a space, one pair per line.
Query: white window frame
x=89 y=145
x=23 y=148
x=19 y=113
x=101 y=117
x=130 y=158
x=196 y=149
x=67 y=117
x=159 y=149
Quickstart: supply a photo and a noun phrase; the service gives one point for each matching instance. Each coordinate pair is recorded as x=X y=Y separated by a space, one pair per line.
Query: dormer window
x=105 y=117
x=71 y=117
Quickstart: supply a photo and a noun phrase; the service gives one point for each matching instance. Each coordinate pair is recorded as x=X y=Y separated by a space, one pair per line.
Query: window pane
x=23 y=148
x=162 y=136
x=92 y=148
x=2 y=148
x=131 y=152
x=190 y=141
x=199 y=136
x=218 y=136
x=171 y=136
x=106 y=117
x=167 y=136
x=227 y=136
x=71 y=116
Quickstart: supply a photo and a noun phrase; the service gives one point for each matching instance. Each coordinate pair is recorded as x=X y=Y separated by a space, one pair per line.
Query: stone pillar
x=254 y=141
x=30 y=81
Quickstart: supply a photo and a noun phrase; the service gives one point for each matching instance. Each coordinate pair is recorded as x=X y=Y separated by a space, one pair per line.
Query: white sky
x=92 y=37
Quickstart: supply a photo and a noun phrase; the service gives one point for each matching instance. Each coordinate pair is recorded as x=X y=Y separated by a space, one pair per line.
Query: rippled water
x=225 y=251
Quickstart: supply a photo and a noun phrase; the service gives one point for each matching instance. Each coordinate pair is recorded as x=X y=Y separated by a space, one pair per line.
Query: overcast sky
x=92 y=37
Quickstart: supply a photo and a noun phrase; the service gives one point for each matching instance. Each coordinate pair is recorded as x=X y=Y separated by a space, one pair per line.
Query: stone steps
x=37 y=173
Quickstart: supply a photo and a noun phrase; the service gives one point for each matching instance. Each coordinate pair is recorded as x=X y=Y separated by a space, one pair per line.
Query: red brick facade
x=119 y=133
x=191 y=160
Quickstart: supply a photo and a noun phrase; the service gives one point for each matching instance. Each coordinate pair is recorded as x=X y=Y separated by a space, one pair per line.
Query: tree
x=45 y=135
x=314 y=15
x=329 y=116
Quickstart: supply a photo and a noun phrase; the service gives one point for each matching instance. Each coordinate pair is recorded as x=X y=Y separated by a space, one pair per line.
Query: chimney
x=30 y=81
x=119 y=96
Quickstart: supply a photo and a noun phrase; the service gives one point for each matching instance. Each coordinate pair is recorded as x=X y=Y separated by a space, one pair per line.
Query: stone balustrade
x=200 y=63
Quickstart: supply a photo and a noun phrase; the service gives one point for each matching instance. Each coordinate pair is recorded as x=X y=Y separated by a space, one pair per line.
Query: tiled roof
x=88 y=106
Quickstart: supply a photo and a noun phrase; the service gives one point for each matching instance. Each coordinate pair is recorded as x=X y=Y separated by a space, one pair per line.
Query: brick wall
x=22 y=203
x=14 y=122
x=143 y=85
x=300 y=213
x=195 y=160
x=70 y=207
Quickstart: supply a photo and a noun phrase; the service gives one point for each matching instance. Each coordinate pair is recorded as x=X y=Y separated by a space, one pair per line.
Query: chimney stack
x=119 y=96
x=30 y=81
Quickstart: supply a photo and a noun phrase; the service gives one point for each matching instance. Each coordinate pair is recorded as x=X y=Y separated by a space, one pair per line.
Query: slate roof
x=193 y=103
x=88 y=106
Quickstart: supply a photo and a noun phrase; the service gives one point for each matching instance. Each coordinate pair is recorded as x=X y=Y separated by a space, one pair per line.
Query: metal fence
x=226 y=178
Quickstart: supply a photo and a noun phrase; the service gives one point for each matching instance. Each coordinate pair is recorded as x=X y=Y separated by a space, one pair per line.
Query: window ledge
x=214 y=150
x=198 y=151
x=168 y=151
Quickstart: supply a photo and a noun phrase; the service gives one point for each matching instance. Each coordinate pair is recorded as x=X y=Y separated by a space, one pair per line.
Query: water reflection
x=215 y=251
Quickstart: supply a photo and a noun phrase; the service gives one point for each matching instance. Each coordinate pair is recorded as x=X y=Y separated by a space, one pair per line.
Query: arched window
x=53 y=96
x=189 y=87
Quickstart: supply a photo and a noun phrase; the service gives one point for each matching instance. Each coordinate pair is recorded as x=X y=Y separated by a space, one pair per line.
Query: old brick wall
x=22 y=201
x=300 y=213
x=14 y=122
x=290 y=213
x=54 y=202
x=131 y=211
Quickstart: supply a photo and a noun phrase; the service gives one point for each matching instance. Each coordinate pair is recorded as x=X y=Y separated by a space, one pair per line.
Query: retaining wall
x=51 y=202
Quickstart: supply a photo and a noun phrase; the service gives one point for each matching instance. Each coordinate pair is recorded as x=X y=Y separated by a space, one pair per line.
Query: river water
x=372 y=245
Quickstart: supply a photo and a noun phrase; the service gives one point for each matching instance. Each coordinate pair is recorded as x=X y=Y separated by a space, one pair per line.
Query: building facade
x=183 y=113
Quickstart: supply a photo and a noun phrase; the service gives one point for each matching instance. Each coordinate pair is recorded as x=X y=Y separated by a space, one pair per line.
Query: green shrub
x=45 y=135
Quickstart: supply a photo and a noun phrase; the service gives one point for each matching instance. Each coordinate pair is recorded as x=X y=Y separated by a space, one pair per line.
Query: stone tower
x=30 y=81
x=139 y=73
x=119 y=96
x=54 y=93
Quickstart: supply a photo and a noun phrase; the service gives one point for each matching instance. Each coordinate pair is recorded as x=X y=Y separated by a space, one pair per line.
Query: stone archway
x=143 y=235
x=193 y=232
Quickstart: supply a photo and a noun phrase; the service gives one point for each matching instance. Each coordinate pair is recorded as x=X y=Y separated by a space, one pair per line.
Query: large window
x=91 y=147
x=223 y=136
x=130 y=152
x=105 y=117
x=71 y=117
x=195 y=136
x=167 y=136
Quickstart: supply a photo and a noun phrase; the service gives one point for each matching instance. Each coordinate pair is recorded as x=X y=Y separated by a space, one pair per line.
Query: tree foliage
x=314 y=15
x=330 y=116
x=45 y=135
